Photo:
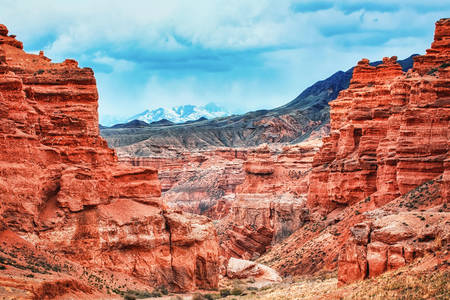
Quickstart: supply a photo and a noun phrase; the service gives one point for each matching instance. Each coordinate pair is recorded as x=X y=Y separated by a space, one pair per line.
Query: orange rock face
x=202 y=182
x=389 y=130
x=271 y=202
x=396 y=234
x=257 y=195
x=389 y=134
x=62 y=189
x=379 y=188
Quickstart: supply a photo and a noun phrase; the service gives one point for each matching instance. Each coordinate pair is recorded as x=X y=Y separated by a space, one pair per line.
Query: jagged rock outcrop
x=271 y=202
x=63 y=191
x=200 y=182
x=256 y=195
x=390 y=237
x=378 y=190
x=389 y=130
x=389 y=134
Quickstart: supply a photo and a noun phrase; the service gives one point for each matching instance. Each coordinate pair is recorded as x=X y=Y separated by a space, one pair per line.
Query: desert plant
x=236 y=292
x=225 y=292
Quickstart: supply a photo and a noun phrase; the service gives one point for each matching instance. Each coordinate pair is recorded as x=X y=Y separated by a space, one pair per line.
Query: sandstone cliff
x=63 y=191
x=270 y=204
x=389 y=130
x=378 y=190
x=257 y=196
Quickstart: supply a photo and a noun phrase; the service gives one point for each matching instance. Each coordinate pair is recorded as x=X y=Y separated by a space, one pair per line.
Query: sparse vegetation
x=236 y=292
x=401 y=285
x=135 y=294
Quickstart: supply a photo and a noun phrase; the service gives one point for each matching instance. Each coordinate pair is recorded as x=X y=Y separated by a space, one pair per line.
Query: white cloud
x=150 y=53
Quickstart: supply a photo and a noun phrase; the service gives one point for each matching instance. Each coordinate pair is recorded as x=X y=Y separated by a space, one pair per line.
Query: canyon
x=347 y=198
x=306 y=116
x=63 y=191
x=358 y=189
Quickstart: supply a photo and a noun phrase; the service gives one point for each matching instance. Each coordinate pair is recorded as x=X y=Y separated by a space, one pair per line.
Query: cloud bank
x=241 y=54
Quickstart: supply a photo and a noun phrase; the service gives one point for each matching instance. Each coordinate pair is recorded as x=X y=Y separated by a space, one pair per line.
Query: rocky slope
x=270 y=204
x=257 y=196
x=305 y=116
x=378 y=191
x=63 y=192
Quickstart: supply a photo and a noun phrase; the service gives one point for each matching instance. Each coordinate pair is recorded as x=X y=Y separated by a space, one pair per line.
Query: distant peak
x=182 y=113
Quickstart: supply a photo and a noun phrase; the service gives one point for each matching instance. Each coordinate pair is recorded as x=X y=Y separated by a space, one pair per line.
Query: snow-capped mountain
x=181 y=114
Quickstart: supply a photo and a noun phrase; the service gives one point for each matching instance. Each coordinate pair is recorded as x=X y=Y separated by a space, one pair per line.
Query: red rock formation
x=243 y=269
x=201 y=182
x=389 y=134
x=390 y=130
x=396 y=234
x=270 y=203
x=378 y=190
x=62 y=189
x=258 y=195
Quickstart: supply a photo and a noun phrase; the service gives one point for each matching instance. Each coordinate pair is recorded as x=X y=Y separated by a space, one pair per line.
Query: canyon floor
x=411 y=282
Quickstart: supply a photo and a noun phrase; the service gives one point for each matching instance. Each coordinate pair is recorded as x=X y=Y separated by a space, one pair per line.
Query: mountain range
x=294 y=122
x=177 y=114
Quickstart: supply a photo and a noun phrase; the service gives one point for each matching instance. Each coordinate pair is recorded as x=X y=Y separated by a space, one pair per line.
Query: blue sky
x=240 y=54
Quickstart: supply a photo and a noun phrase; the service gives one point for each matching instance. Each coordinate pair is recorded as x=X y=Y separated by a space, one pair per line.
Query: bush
x=163 y=290
x=132 y=294
x=236 y=292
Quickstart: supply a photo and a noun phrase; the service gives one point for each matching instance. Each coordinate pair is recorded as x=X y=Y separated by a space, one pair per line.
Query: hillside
x=306 y=115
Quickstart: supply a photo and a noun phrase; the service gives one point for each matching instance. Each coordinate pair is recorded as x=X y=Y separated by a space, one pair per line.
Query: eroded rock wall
x=62 y=189
x=378 y=191
x=389 y=135
x=389 y=130
x=271 y=202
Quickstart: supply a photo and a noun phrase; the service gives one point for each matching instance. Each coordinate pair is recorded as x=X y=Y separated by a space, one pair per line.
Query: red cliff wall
x=389 y=130
x=379 y=188
x=62 y=189
x=270 y=204
x=389 y=140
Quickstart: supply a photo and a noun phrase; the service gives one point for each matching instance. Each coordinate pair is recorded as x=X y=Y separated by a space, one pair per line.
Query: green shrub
x=236 y=292
x=225 y=292
x=163 y=290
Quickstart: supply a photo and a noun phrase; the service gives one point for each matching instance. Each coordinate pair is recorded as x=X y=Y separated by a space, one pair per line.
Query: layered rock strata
x=389 y=130
x=256 y=195
x=62 y=189
x=201 y=182
x=378 y=190
x=271 y=202
x=394 y=235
